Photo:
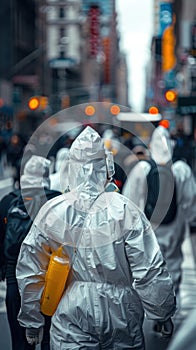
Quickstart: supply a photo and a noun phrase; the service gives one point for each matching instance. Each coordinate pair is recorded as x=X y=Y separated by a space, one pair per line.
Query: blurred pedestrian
x=35 y=192
x=170 y=236
x=2 y=155
x=15 y=149
x=59 y=179
x=117 y=269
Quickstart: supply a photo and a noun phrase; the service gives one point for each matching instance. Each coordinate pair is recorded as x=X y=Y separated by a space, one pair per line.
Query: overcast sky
x=135 y=25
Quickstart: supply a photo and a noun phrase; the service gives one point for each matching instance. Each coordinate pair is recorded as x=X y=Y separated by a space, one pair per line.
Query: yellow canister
x=56 y=277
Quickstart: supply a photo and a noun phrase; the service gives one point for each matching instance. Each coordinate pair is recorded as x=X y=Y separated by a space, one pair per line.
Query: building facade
x=19 y=57
x=173 y=66
x=60 y=53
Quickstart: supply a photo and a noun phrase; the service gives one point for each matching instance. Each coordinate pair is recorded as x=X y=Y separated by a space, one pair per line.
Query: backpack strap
x=51 y=193
x=152 y=188
x=151 y=162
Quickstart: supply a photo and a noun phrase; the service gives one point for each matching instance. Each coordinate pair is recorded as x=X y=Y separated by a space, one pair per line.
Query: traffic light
x=170 y=95
x=38 y=103
x=153 y=110
x=33 y=103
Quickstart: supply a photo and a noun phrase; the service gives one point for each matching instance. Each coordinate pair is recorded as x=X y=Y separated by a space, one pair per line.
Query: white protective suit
x=117 y=266
x=59 y=179
x=36 y=173
x=170 y=236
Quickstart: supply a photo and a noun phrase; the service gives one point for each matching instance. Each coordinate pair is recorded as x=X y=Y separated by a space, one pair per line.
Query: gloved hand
x=34 y=335
x=165 y=328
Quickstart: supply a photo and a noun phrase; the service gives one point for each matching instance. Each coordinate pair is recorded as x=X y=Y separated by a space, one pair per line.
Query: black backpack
x=19 y=222
x=161 y=201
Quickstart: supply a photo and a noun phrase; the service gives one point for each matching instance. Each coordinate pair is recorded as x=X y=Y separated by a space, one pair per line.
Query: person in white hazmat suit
x=59 y=179
x=117 y=269
x=170 y=236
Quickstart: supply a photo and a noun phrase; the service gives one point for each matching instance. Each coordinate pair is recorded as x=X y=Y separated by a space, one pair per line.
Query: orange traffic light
x=114 y=109
x=89 y=110
x=170 y=95
x=153 y=110
x=33 y=103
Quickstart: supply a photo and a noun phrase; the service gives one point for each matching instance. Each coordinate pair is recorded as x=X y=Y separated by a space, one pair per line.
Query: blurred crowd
x=127 y=148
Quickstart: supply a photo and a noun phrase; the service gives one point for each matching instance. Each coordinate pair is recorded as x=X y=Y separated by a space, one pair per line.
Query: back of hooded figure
x=161 y=197
x=151 y=184
x=59 y=179
x=26 y=204
x=170 y=235
x=117 y=269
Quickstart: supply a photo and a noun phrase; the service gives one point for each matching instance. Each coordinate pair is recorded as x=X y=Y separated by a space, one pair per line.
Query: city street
x=187 y=296
x=101 y=96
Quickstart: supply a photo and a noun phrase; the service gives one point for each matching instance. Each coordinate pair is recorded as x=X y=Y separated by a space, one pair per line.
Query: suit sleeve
x=30 y=272
x=151 y=278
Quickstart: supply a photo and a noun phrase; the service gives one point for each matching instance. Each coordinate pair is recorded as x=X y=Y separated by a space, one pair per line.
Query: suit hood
x=87 y=164
x=161 y=147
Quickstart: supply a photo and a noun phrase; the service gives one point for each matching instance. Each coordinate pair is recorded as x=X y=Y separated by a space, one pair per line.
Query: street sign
x=62 y=63
x=186 y=105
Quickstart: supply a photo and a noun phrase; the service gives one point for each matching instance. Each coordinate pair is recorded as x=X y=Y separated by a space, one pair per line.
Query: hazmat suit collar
x=87 y=166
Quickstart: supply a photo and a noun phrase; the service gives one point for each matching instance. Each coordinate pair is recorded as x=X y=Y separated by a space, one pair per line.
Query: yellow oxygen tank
x=56 y=277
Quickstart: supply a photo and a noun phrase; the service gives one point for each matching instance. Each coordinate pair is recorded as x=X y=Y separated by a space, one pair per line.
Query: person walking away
x=117 y=269
x=170 y=236
x=35 y=192
x=59 y=179
x=15 y=150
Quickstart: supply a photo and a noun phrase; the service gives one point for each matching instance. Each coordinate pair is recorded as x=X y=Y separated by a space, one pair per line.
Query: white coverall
x=59 y=179
x=117 y=267
x=170 y=236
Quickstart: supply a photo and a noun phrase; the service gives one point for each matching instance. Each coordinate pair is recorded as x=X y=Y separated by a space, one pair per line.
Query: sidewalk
x=187 y=299
x=188 y=285
x=187 y=296
x=5 y=340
